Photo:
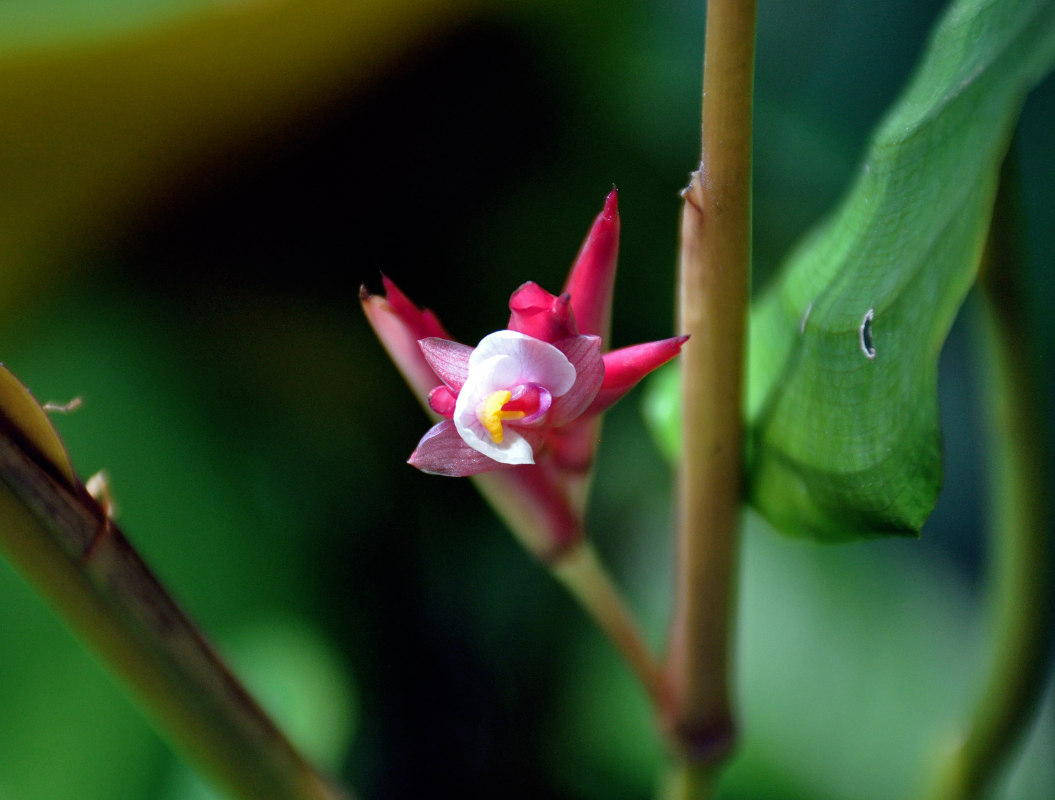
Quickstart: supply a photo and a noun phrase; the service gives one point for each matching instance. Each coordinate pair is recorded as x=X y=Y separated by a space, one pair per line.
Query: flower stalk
x=586 y=579
x=520 y=415
x=713 y=291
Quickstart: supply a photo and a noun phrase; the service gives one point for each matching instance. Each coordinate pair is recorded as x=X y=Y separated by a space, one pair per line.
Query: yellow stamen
x=490 y=414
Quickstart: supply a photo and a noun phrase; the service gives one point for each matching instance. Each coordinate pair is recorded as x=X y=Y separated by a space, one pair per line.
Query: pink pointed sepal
x=624 y=369
x=591 y=280
x=399 y=324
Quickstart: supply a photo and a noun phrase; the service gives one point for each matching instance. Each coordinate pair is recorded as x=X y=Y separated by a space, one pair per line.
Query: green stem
x=714 y=280
x=587 y=580
x=690 y=782
x=1019 y=582
x=62 y=543
x=573 y=561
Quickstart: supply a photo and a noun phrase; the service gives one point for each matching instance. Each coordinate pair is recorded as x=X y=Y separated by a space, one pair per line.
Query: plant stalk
x=1019 y=586
x=66 y=547
x=587 y=580
x=714 y=278
x=690 y=782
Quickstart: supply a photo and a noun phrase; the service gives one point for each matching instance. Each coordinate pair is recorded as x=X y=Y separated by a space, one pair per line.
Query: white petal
x=514 y=449
x=539 y=362
x=485 y=378
x=503 y=361
x=495 y=373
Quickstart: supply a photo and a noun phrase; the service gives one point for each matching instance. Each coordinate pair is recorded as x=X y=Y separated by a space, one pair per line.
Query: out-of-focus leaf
x=104 y=104
x=854 y=664
x=661 y=406
x=842 y=386
x=67 y=731
x=26 y=25
x=293 y=671
x=297 y=676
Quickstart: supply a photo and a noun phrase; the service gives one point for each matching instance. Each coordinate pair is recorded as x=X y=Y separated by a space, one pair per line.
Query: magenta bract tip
x=592 y=276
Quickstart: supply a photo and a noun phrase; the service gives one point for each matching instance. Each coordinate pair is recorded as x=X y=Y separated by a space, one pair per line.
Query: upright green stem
x=713 y=294
x=1019 y=577
x=63 y=544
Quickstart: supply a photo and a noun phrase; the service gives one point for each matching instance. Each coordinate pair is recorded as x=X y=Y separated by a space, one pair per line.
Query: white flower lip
x=506 y=360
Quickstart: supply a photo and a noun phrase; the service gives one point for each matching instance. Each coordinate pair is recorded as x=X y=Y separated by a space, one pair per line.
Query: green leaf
x=844 y=440
x=844 y=347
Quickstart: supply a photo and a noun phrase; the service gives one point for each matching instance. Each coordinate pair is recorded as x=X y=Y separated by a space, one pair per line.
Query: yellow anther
x=490 y=414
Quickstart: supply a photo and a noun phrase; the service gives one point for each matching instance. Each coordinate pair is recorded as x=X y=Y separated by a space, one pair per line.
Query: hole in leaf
x=865 y=335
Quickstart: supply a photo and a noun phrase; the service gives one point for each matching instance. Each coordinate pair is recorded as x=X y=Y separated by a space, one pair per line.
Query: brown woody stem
x=65 y=546
x=713 y=287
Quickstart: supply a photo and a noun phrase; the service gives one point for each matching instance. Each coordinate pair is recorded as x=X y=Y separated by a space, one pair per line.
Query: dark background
x=256 y=435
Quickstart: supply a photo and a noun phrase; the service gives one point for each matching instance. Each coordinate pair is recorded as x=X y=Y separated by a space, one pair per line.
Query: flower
x=501 y=398
x=520 y=412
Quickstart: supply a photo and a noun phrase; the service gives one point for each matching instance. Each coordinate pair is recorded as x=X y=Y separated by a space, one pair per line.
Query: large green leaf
x=844 y=346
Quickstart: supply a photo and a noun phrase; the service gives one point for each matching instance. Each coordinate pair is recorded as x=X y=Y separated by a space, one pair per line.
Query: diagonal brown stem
x=95 y=581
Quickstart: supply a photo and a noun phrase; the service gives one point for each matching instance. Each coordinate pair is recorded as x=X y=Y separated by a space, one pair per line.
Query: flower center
x=491 y=415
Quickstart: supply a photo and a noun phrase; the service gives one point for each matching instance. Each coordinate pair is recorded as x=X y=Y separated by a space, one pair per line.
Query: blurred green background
x=192 y=192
